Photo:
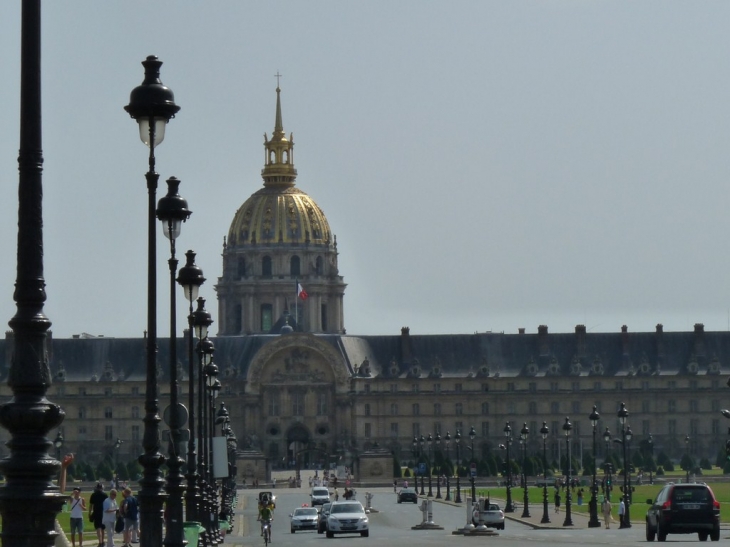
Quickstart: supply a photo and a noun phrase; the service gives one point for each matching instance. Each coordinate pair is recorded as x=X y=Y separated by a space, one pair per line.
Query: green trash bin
x=192 y=532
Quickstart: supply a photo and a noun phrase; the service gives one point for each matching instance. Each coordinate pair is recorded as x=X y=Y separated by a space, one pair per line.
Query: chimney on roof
x=624 y=340
x=699 y=340
x=659 y=336
x=580 y=340
x=542 y=340
x=405 y=345
x=521 y=330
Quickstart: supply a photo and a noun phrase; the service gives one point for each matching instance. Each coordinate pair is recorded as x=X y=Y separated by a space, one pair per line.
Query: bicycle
x=267 y=532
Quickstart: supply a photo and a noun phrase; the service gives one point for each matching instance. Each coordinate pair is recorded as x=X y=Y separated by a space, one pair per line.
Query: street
x=391 y=525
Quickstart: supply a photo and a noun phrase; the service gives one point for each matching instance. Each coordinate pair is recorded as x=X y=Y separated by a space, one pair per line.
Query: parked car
x=407 y=494
x=491 y=515
x=324 y=511
x=347 y=517
x=684 y=509
x=319 y=495
x=547 y=481
x=304 y=518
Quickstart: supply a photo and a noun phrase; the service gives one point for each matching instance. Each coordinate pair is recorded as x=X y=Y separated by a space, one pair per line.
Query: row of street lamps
x=626 y=436
x=152 y=105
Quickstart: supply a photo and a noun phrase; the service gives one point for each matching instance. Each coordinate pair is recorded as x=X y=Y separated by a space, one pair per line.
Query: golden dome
x=279 y=212
x=279 y=215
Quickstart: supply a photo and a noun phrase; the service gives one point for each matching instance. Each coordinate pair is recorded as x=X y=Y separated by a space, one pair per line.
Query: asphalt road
x=391 y=526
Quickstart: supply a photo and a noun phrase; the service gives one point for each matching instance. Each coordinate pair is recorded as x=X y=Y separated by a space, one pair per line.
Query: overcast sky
x=484 y=165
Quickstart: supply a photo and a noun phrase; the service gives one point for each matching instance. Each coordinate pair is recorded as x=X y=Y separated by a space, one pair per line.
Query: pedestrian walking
x=606 y=509
x=557 y=501
x=621 y=513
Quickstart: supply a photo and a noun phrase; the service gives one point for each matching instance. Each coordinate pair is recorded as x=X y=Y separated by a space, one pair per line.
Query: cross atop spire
x=277 y=76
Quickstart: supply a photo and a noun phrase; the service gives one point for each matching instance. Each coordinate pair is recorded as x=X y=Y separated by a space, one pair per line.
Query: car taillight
x=716 y=504
x=667 y=506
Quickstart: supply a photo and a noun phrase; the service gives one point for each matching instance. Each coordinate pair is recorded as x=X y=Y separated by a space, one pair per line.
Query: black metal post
x=437 y=452
x=152 y=105
x=172 y=210
x=191 y=278
x=509 y=505
x=567 y=427
x=651 y=455
x=472 y=435
x=29 y=502
x=593 y=521
x=421 y=440
x=526 y=498
x=430 y=453
x=447 y=441
x=544 y=431
x=623 y=415
x=686 y=445
x=457 y=440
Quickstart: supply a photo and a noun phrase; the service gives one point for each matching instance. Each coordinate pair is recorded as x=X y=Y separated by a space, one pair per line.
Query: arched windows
x=266 y=266
x=295 y=266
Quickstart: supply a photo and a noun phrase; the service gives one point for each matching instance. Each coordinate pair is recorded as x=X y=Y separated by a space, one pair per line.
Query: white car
x=304 y=518
x=347 y=517
x=319 y=496
x=491 y=515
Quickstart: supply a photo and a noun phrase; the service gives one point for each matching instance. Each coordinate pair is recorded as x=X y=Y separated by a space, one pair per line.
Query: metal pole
x=29 y=502
x=568 y=494
x=510 y=505
x=545 y=515
x=192 y=496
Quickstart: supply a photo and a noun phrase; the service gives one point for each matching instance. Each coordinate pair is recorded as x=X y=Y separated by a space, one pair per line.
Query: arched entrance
x=297 y=440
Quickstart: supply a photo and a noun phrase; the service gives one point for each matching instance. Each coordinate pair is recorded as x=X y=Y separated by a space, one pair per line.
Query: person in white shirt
x=110 y=516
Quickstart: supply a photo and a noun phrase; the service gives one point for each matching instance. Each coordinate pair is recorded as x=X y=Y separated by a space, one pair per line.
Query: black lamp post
x=29 y=502
x=593 y=522
x=544 y=432
x=421 y=440
x=509 y=506
x=472 y=474
x=651 y=456
x=211 y=371
x=190 y=279
x=623 y=415
x=115 y=453
x=567 y=428
x=205 y=352
x=438 y=473
x=447 y=444
x=152 y=105
x=608 y=467
x=686 y=451
x=429 y=441
x=58 y=443
x=215 y=390
x=172 y=210
x=524 y=433
x=416 y=457
x=457 y=441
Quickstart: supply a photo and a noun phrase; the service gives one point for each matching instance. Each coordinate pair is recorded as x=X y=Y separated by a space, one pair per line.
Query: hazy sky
x=484 y=165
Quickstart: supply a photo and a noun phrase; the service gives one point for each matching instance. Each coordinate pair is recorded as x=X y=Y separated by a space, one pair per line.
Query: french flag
x=301 y=293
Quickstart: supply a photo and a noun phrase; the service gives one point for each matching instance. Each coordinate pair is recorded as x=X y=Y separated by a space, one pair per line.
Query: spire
x=279 y=162
x=278 y=125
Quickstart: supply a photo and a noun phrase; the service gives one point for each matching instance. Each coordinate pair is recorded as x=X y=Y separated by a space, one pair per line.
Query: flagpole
x=296 y=304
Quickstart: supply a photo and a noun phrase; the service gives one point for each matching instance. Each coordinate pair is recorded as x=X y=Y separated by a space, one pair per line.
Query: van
x=320 y=495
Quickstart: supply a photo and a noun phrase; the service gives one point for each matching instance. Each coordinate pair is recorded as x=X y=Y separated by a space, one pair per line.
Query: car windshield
x=304 y=512
x=320 y=492
x=407 y=491
x=347 y=508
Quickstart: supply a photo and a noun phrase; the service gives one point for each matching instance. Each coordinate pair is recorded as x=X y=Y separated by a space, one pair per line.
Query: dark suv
x=684 y=509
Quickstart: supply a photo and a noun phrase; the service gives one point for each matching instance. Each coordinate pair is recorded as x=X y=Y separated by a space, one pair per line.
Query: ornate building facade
x=299 y=389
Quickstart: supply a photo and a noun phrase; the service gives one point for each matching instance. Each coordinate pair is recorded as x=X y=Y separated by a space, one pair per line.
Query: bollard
x=469 y=505
x=368 y=500
x=424 y=510
x=430 y=512
x=481 y=526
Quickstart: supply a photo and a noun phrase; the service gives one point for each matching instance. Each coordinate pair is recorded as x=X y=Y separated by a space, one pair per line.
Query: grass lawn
x=638 y=509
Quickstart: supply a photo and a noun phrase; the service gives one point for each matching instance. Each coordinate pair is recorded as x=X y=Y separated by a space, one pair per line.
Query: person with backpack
x=130 y=512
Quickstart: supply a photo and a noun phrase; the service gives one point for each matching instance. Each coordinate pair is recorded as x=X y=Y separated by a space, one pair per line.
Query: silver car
x=304 y=518
x=347 y=517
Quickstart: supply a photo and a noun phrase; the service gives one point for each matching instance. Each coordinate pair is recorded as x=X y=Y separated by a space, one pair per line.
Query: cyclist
x=266 y=514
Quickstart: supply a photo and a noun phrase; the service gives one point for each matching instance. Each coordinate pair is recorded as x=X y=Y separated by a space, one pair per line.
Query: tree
x=687 y=463
x=397 y=472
